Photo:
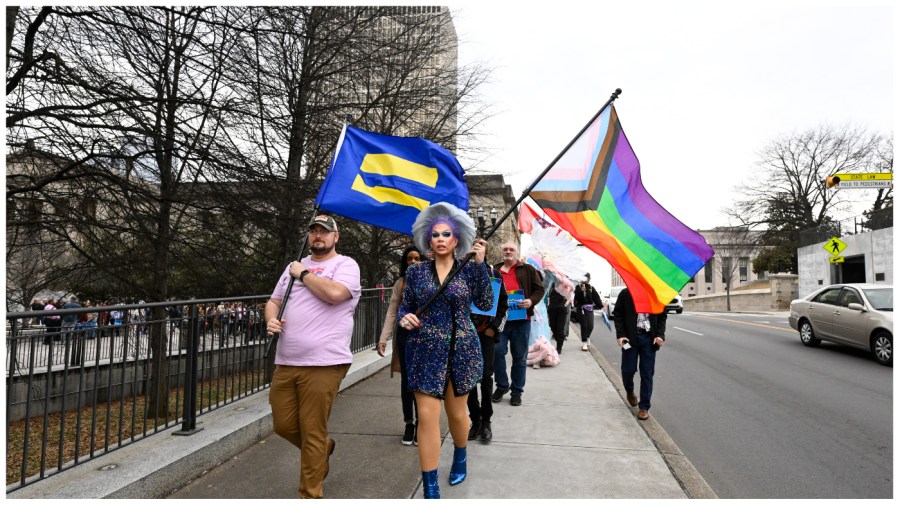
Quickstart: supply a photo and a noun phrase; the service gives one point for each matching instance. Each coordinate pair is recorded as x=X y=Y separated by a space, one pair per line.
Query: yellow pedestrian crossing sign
x=836 y=260
x=835 y=246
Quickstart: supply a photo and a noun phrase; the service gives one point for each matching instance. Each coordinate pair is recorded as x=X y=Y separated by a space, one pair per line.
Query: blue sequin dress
x=446 y=346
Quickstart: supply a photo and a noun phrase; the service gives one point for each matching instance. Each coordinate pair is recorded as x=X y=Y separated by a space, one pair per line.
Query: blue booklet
x=495 y=286
x=515 y=312
x=606 y=320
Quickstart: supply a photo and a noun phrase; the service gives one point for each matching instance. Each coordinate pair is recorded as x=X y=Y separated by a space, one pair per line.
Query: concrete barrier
x=746 y=300
x=783 y=288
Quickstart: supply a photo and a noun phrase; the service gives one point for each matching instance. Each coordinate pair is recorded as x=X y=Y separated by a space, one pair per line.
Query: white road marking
x=689 y=331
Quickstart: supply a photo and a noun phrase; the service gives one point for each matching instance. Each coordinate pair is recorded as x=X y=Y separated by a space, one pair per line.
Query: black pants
x=485 y=410
x=407 y=397
x=558 y=318
x=76 y=349
x=52 y=330
x=587 y=324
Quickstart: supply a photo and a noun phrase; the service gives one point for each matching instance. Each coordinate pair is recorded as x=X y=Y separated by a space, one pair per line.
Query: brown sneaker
x=643 y=414
x=331 y=445
x=632 y=399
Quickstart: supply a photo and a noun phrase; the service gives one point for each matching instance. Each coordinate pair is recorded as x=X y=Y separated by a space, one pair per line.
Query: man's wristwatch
x=304 y=273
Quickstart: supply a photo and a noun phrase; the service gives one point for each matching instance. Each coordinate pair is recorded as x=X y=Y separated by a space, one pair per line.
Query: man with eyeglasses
x=313 y=353
x=516 y=276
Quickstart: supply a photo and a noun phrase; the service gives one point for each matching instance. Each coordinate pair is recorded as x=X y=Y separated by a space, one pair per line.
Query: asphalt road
x=762 y=416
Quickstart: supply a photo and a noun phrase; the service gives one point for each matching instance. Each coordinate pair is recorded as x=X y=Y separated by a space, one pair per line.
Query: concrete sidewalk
x=573 y=437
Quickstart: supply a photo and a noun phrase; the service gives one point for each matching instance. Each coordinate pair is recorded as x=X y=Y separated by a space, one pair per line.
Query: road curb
x=685 y=473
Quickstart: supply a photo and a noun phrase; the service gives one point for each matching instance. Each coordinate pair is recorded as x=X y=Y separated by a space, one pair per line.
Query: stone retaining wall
x=782 y=290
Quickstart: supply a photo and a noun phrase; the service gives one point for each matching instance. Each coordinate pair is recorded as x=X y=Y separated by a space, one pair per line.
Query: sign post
x=834 y=247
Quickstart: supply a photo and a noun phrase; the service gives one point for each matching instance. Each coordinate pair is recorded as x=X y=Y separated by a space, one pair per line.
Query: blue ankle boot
x=458 y=469
x=430 y=485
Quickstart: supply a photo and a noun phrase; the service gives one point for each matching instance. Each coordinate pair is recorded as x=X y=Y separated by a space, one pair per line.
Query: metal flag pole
x=312 y=218
x=509 y=211
x=287 y=294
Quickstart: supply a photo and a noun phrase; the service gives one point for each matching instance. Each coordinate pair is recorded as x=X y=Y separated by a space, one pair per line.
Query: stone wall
x=785 y=288
x=782 y=290
x=745 y=300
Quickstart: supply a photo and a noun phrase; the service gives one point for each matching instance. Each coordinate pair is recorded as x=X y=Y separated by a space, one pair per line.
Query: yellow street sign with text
x=868 y=176
x=836 y=260
x=835 y=246
x=861 y=180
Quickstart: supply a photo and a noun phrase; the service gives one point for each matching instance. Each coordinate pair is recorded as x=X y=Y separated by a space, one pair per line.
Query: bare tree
x=881 y=212
x=214 y=117
x=309 y=70
x=734 y=247
x=36 y=260
x=129 y=114
x=179 y=147
x=11 y=13
x=788 y=194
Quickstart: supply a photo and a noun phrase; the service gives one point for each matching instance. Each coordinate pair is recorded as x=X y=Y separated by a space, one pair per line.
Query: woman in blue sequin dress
x=443 y=352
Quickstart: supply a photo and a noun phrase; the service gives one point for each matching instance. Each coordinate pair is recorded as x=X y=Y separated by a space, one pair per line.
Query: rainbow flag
x=594 y=191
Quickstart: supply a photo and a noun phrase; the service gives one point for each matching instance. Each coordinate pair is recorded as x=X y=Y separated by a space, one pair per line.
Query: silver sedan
x=858 y=315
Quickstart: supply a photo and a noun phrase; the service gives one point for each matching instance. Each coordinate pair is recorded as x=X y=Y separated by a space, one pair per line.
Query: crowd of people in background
x=224 y=320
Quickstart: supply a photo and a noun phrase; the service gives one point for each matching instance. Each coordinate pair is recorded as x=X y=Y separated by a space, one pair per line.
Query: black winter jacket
x=625 y=319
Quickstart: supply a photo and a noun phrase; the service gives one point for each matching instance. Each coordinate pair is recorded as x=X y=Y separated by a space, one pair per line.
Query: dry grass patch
x=107 y=425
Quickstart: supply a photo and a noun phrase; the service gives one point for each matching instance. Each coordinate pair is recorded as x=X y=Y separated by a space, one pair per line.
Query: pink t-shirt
x=316 y=333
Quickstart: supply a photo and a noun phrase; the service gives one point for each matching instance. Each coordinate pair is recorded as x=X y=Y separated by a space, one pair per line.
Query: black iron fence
x=83 y=382
x=877 y=220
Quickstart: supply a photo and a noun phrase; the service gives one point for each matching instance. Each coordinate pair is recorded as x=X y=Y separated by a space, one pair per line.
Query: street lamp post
x=479 y=217
x=479 y=214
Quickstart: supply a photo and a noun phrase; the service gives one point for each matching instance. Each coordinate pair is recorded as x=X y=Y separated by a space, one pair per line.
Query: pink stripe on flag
x=577 y=163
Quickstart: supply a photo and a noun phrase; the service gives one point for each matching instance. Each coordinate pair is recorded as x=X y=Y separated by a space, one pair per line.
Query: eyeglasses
x=445 y=233
x=320 y=232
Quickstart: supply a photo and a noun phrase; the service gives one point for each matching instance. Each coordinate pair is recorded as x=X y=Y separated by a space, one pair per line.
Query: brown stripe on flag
x=588 y=199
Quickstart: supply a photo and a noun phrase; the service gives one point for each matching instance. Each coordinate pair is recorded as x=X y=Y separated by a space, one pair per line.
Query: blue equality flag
x=385 y=180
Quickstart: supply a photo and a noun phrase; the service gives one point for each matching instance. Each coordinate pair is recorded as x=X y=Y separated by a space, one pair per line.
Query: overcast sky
x=705 y=86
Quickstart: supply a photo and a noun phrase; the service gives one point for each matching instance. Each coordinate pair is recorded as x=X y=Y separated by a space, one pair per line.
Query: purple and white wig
x=460 y=223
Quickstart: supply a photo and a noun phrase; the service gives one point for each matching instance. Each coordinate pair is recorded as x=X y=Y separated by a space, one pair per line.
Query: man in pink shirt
x=313 y=353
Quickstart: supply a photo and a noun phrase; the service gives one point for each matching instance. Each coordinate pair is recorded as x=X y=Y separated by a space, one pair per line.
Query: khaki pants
x=301 y=399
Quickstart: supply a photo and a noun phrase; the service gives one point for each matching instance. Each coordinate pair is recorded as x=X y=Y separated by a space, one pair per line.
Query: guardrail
x=108 y=376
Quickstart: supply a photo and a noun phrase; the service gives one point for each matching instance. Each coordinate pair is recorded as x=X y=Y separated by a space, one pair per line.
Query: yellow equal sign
x=390 y=165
